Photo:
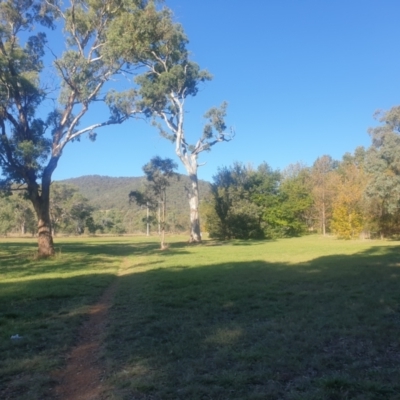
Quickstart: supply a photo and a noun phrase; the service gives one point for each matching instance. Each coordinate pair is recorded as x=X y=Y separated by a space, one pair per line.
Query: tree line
x=97 y=205
x=356 y=196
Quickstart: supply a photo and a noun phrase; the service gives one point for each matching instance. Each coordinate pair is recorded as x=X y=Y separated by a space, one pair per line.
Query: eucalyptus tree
x=159 y=172
x=383 y=166
x=34 y=126
x=241 y=202
x=169 y=79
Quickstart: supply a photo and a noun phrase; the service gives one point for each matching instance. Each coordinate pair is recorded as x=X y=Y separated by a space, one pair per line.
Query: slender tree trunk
x=147 y=221
x=159 y=219
x=163 y=222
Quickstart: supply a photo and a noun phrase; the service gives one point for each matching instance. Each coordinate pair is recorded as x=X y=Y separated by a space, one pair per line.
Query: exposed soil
x=82 y=378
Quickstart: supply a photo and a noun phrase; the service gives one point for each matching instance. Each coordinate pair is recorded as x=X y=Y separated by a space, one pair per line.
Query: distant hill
x=105 y=192
x=110 y=193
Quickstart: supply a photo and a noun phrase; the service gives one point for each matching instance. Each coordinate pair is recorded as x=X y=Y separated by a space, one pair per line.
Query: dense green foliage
x=383 y=165
x=357 y=196
x=247 y=203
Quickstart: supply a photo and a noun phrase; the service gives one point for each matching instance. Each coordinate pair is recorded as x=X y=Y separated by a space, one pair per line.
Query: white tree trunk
x=189 y=160
x=195 y=234
x=190 y=163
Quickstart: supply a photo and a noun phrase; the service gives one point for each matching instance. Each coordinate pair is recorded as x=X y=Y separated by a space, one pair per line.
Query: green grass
x=304 y=318
x=308 y=318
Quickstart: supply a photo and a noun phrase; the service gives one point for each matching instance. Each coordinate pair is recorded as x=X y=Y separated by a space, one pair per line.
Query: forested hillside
x=109 y=197
x=105 y=192
x=98 y=204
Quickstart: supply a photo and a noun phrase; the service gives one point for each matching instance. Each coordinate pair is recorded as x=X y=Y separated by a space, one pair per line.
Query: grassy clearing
x=306 y=318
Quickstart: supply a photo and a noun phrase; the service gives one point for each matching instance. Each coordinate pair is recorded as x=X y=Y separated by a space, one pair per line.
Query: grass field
x=304 y=318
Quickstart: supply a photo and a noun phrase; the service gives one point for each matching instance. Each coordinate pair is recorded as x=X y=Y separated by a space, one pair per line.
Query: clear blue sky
x=302 y=79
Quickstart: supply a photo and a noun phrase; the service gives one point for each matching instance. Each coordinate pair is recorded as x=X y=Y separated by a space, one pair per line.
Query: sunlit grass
x=308 y=318
x=305 y=318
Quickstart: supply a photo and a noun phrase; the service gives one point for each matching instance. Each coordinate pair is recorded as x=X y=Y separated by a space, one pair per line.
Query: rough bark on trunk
x=40 y=198
x=45 y=238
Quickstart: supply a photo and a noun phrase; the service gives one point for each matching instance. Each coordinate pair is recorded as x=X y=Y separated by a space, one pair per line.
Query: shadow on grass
x=325 y=329
x=252 y=242
x=46 y=314
x=74 y=256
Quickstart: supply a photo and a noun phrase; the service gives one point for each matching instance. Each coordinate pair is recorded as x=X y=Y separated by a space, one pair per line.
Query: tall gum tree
x=383 y=166
x=168 y=79
x=31 y=143
x=159 y=172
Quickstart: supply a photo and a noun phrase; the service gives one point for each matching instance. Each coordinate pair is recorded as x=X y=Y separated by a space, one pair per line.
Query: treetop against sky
x=302 y=79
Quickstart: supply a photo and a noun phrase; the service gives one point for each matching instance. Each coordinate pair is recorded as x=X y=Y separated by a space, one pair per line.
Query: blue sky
x=302 y=79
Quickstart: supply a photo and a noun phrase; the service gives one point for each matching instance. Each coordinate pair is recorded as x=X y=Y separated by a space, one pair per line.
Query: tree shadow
x=124 y=249
x=45 y=315
x=323 y=329
x=18 y=258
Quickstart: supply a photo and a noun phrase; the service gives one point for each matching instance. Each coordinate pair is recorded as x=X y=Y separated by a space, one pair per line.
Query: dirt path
x=82 y=378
